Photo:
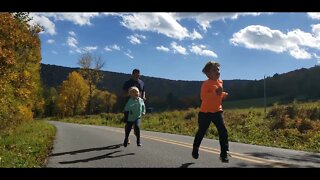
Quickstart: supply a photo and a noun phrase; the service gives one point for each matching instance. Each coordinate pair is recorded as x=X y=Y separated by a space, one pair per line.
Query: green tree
x=50 y=95
x=103 y=101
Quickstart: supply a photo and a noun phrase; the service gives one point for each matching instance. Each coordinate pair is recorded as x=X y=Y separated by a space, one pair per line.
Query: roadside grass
x=292 y=126
x=26 y=146
x=250 y=103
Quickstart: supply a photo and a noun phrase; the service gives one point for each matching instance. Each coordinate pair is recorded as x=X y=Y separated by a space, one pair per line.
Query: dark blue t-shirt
x=131 y=82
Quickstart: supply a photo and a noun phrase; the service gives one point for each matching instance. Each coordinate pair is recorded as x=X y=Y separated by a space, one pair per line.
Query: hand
x=225 y=95
x=219 y=91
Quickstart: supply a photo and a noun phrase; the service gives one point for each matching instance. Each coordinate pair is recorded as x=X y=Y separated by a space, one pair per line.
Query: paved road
x=100 y=146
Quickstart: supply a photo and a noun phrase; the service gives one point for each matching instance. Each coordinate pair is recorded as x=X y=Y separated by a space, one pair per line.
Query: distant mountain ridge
x=53 y=75
x=302 y=82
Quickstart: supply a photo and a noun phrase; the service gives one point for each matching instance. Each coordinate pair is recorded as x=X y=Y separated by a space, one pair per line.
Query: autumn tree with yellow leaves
x=20 y=58
x=73 y=95
x=103 y=101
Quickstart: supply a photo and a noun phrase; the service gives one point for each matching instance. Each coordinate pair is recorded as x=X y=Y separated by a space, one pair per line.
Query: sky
x=176 y=46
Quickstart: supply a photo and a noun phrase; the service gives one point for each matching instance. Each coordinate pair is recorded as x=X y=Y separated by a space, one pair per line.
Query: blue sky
x=176 y=46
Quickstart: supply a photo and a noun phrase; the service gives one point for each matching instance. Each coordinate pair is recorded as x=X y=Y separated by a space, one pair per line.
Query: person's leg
x=128 y=128
x=125 y=120
x=137 y=130
x=223 y=135
x=203 y=125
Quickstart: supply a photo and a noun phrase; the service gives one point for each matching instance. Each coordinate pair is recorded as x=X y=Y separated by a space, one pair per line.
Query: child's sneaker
x=224 y=157
x=139 y=144
x=125 y=142
x=195 y=153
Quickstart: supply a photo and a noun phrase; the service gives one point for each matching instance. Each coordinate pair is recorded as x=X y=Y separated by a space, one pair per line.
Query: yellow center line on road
x=273 y=163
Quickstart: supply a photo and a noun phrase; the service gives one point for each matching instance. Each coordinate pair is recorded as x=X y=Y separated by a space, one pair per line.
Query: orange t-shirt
x=210 y=101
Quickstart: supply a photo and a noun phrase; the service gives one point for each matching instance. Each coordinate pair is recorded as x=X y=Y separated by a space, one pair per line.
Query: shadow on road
x=186 y=165
x=116 y=146
x=298 y=159
x=108 y=155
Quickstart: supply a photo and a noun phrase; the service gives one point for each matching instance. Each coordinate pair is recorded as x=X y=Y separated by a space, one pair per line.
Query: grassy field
x=27 y=145
x=250 y=103
x=293 y=126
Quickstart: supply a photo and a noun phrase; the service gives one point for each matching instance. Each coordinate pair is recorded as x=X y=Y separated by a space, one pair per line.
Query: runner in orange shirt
x=211 y=96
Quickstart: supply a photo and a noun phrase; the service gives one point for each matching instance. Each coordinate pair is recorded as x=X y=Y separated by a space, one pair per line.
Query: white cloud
x=43 y=19
x=260 y=37
x=195 y=35
x=316 y=30
x=79 y=50
x=49 y=26
x=215 y=33
x=115 y=47
x=300 y=53
x=128 y=54
x=314 y=15
x=200 y=50
x=112 y=47
x=317 y=58
x=140 y=36
x=90 y=48
x=76 y=18
x=72 y=33
x=54 y=52
x=50 y=41
x=107 y=48
x=72 y=42
x=179 y=49
x=162 y=48
x=205 y=19
x=134 y=40
x=294 y=42
x=163 y=23
x=301 y=38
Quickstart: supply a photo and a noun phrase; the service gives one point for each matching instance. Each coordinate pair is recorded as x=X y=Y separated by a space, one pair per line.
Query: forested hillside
x=299 y=84
x=53 y=75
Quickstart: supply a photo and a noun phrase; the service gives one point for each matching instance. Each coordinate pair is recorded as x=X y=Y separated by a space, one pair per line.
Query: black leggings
x=128 y=128
x=204 y=120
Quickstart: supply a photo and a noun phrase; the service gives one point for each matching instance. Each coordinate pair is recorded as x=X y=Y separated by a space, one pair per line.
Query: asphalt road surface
x=91 y=146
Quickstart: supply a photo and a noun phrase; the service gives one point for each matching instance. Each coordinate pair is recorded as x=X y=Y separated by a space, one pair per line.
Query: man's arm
x=143 y=93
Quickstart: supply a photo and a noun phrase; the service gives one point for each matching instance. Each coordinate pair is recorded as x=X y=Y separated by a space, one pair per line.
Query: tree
x=73 y=95
x=22 y=16
x=103 y=101
x=20 y=58
x=90 y=70
x=50 y=95
x=171 y=100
